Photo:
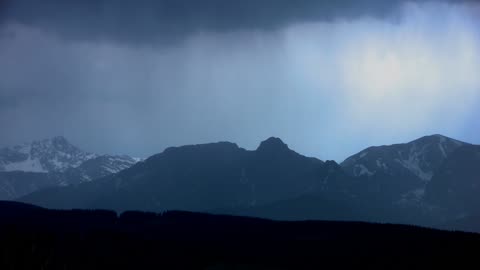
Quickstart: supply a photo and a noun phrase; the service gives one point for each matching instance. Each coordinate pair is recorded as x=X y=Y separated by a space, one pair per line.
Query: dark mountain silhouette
x=400 y=172
x=466 y=223
x=324 y=207
x=36 y=238
x=200 y=178
x=387 y=184
x=455 y=186
x=274 y=181
x=18 y=183
x=420 y=157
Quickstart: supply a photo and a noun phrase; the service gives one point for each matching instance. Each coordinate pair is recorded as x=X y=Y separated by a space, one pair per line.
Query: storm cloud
x=147 y=22
x=328 y=77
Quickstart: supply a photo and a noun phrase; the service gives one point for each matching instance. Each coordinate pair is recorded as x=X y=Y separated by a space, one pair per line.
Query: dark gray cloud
x=318 y=74
x=163 y=21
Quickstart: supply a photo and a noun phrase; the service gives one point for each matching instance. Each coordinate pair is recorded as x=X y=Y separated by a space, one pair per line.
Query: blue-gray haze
x=328 y=77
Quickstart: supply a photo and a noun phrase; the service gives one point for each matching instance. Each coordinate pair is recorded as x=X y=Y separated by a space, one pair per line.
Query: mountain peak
x=52 y=143
x=54 y=154
x=420 y=157
x=59 y=140
x=436 y=138
x=272 y=144
x=445 y=144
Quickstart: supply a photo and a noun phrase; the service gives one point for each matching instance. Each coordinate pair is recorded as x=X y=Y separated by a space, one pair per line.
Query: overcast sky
x=328 y=77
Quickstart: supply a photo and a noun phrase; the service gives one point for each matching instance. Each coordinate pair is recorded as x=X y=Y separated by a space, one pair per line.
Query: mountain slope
x=420 y=157
x=48 y=155
x=52 y=162
x=402 y=170
x=202 y=177
x=17 y=183
x=96 y=168
x=456 y=185
x=274 y=181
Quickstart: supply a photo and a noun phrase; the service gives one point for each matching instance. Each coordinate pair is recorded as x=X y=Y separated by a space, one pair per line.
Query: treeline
x=37 y=238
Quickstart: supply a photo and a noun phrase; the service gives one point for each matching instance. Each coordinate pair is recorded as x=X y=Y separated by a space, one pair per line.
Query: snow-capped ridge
x=48 y=155
x=420 y=157
x=53 y=162
x=57 y=155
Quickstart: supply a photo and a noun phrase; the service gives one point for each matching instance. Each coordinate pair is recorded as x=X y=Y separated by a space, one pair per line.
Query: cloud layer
x=147 y=22
x=327 y=85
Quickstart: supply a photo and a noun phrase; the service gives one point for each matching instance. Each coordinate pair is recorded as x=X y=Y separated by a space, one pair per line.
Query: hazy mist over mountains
x=430 y=181
x=239 y=134
x=52 y=162
x=329 y=77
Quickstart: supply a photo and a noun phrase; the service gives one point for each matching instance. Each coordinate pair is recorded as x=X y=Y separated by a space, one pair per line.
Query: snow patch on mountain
x=360 y=170
x=420 y=157
x=413 y=196
x=381 y=164
x=53 y=162
x=28 y=165
x=137 y=159
x=100 y=166
x=413 y=162
x=49 y=155
x=413 y=165
x=114 y=164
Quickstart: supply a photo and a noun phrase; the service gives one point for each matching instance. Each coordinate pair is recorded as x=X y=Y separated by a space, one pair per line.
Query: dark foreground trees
x=36 y=238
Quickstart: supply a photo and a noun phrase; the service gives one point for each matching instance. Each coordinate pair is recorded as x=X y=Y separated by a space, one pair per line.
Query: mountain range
x=52 y=162
x=430 y=181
